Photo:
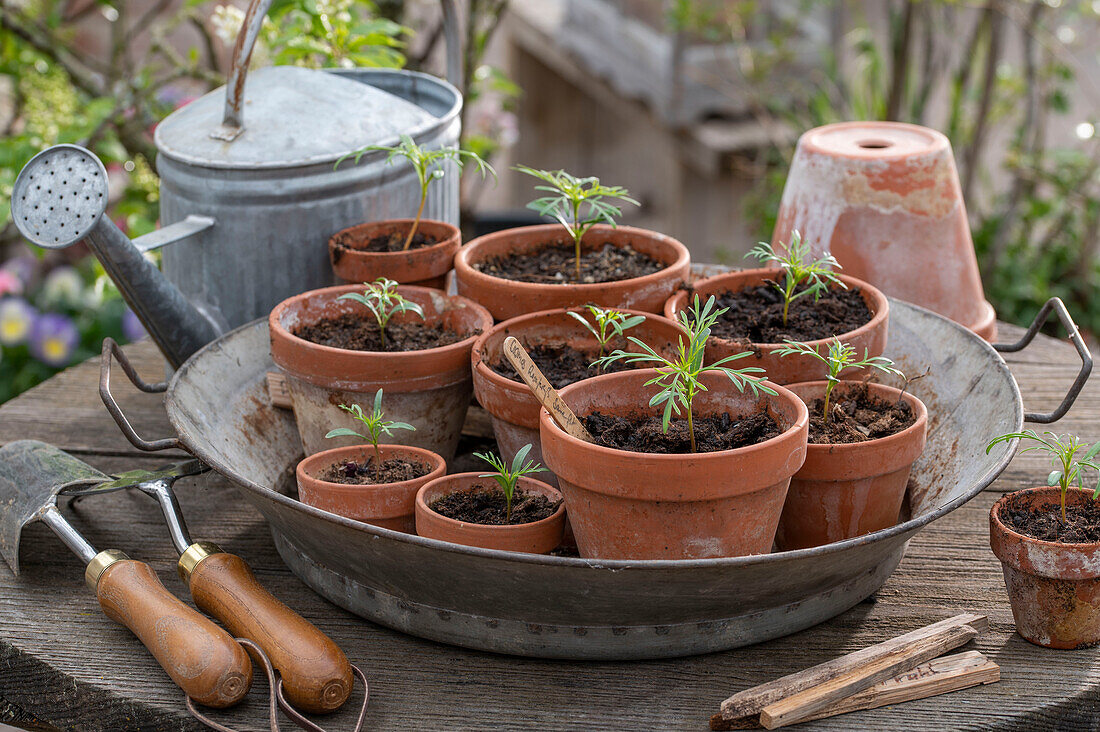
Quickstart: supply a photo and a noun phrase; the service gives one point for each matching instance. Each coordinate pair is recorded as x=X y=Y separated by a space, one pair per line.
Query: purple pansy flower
x=24 y=268
x=53 y=339
x=16 y=319
x=132 y=329
x=10 y=284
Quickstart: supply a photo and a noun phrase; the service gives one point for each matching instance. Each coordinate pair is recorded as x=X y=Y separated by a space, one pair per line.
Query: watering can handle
x=233 y=120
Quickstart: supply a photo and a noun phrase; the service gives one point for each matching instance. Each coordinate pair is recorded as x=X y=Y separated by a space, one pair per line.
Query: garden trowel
x=200 y=657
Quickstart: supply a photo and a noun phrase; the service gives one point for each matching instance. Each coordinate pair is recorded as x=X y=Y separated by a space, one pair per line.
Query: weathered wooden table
x=65 y=665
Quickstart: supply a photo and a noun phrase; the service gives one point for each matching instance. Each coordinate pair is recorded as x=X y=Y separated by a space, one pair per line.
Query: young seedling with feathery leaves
x=839 y=357
x=375 y=422
x=678 y=378
x=507 y=477
x=609 y=323
x=384 y=301
x=1069 y=467
x=578 y=204
x=797 y=267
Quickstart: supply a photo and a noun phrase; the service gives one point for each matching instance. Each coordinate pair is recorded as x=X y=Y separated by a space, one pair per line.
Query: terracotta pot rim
x=524 y=481
x=453 y=236
x=853 y=447
x=328 y=457
x=995 y=517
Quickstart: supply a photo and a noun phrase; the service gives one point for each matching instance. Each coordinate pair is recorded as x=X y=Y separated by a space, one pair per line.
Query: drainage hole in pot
x=874 y=144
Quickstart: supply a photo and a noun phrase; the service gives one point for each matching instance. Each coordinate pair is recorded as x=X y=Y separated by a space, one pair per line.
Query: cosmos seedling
x=1069 y=467
x=609 y=323
x=817 y=274
x=506 y=477
x=679 y=377
x=840 y=356
x=578 y=204
x=384 y=301
x=375 y=422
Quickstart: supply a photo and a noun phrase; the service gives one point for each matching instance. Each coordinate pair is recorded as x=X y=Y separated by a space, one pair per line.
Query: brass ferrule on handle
x=194 y=555
x=99 y=564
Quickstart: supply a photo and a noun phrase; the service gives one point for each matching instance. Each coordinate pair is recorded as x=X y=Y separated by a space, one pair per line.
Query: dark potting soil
x=561 y=364
x=1082 y=522
x=644 y=434
x=394 y=470
x=857 y=416
x=486 y=505
x=554 y=263
x=392 y=242
x=756 y=315
x=353 y=332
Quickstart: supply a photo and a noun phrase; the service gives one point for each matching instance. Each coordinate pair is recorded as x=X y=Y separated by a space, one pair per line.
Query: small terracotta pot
x=884 y=198
x=849 y=490
x=537 y=537
x=427 y=266
x=506 y=299
x=633 y=505
x=787 y=369
x=512 y=406
x=389 y=505
x=429 y=389
x=1054 y=589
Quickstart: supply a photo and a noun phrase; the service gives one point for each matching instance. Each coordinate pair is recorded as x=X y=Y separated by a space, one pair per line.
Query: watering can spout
x=60 y=198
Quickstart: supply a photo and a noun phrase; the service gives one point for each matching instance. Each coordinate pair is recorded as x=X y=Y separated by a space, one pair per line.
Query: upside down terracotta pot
x=1054 y=588
x=429 y=389
x=507 y=298
x=884 y=198
x=786 y=369
x=389 y=505
x=424 y=266
x=848 y=490
x=537 y=537
x=633 y=505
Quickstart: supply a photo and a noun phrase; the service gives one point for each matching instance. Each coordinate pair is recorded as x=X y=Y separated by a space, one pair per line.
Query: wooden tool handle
x=201 y=658
x=316 y=673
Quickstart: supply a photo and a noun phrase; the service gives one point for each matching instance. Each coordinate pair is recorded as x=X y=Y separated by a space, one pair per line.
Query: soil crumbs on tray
x=394 y=470
x=644 y=434
x=392 y=242
x=1082 y=522
x=561 y=364
x=858 y=416
x=555 y=264
x=756 y=315
x=353 y=332
x=482 y=505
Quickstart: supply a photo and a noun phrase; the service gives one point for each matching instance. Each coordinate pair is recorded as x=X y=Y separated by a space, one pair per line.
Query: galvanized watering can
x=249 y=188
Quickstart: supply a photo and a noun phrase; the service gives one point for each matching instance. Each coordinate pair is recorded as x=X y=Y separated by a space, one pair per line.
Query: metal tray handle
x=111 y=350
x=1055 y=304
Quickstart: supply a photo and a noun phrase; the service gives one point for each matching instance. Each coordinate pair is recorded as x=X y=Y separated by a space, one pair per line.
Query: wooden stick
x=543 y=391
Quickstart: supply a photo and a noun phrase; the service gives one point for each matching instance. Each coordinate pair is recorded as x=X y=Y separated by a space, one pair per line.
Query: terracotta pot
x=429 y=389
x=537 y=537
x=389 y=505
x=884 y=198
x=789 y=369
x=512 y=406
x=427 y=266
x=849 y=490
x=1054 y=589
x=632 y=505
x=507 y=299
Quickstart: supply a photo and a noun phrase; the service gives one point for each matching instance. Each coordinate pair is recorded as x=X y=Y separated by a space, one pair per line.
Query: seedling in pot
x=839 y=357
x=375 y=422
x=506 y=477
x=817 y=274
x=1069 y=467
x=578 y=204
x=609 y=324
x=679 y=377
x=384 y=301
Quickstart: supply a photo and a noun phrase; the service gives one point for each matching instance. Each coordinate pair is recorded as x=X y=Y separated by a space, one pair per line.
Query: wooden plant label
x=543 y=391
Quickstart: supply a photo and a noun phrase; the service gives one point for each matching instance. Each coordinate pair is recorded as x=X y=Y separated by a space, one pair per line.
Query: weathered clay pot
x=426 y=266
x=537 y=537
x=849 y=490
x=884 y=198
x=1054 y=589
x=787 y=369
x=389 y=505
x=507 y=299
x=512 y=406
x=632 y=505
x=429 y=389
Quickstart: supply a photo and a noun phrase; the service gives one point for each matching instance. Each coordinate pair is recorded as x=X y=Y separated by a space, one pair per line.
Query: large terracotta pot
x=849 y=490
x=632 y=505
x=506 y=299
x=787 y=369
x=1054 y=589
x=426 y=266
x=429 y=389
x=537 y=537
x=884 y=198
x=389 y=505
x=512 y=406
